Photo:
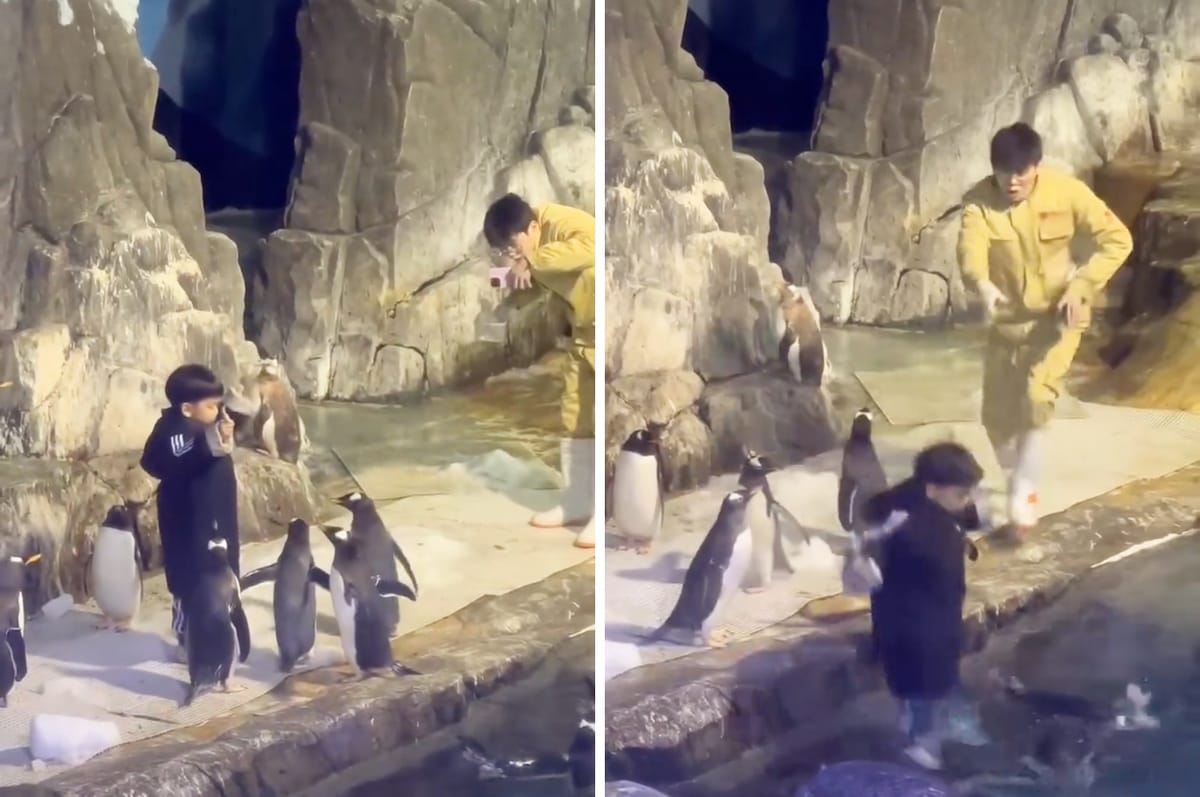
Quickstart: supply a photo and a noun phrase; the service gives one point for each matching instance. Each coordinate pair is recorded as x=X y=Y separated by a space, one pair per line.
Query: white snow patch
x=66 y=14
x=70 y=740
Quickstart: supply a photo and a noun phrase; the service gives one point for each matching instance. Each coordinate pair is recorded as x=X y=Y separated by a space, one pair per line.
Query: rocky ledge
x=675 y=721
x=314 y=725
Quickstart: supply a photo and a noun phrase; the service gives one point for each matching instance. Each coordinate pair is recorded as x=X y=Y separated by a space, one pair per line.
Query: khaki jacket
x=1024 y=250
x=565 y=259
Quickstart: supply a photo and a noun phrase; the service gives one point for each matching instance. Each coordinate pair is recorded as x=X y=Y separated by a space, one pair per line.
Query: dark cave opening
x=228 y=100
x=766 y=54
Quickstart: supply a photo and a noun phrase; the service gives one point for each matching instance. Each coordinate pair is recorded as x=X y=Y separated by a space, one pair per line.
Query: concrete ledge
x=674 y=721
x=313 y=725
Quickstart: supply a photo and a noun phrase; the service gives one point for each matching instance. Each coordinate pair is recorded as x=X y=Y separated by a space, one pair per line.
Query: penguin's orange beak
x=33 y=560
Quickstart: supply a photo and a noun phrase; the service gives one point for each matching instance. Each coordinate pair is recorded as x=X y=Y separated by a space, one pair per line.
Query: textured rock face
x=110 y=278
x=869 y=218
x=690 y=290
x=374 y=288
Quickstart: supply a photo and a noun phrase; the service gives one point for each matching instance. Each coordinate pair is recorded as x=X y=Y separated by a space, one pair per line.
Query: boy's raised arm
x=176 y=451
x=575 y=252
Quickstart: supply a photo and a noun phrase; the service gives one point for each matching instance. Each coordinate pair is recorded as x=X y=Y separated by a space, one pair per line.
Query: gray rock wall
x=691 y=295
x=916 y=89
x=373 y=288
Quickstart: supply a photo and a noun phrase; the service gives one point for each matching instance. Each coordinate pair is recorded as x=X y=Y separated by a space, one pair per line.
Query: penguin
x=216 y=624
x=294 y=603
x=862 y=474
x=14 y=665
x=278 y=423
x=358 y=594
x=713 y=576
x=770 y=523
x=639 y=486
x=379 y=548
x=117 y=565
x=802 y=347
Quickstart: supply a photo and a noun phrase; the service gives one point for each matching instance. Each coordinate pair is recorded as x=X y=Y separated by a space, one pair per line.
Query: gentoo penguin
x=802 y=347
x=116 y=568
x=358 y=594
x=769 y=521
x=714 y=575
x=862 y=474
x=379 y=548
x=216 y=624
x=295 y=599
x=638 y=488
x=13 y=663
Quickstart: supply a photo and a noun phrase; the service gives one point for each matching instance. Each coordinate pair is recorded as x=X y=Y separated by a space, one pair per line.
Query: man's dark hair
x=508 y=216
x=1016 y=148
x=947 y=465
x=191 y=383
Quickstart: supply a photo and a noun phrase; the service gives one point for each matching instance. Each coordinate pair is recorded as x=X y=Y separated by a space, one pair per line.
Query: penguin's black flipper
x=260 y=576
x=141 y=551
x=393 y=589
x=400 y=557
x=786 y=524
x=241 y=627
x=319 y=577
x=16 y=642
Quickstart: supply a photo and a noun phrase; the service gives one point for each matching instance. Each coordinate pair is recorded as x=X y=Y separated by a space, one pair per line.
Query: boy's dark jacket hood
x=909 y=496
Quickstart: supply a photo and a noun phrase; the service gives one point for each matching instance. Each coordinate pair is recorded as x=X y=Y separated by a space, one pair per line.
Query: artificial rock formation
x=110 y=278
x=869 y=218
x=373 y=288
x=691 y=296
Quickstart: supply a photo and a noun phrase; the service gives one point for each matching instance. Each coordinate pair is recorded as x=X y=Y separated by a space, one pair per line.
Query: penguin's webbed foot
x=641 y=550
x=4 y=702
x=104 y=624
x=121 y=627
x=719 y=638
x=232 y=689
x=401 y=669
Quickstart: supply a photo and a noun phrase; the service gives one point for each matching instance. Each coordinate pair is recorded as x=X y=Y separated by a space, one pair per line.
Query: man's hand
x=1074 y=305
x=993 y=298
x=522 y=274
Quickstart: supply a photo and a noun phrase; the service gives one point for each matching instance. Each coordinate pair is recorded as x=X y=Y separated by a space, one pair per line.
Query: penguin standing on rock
x=296 y=577
x=802 y=347
x=217 y=630
x=14 y=665
x=379 y=549
x=639 y=487
x=713 y=577
x=862 y=474
x=115 y=571
x=359 y=594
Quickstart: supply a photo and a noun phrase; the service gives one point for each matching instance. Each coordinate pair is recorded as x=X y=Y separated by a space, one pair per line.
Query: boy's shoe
x=587 y=537
x=578 y=470
x=965 y=730
x=923 y=753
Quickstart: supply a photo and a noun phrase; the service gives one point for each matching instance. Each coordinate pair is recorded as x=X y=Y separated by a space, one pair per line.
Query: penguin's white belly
x=739 y=564
x=637 y=505
x=116 y=583
x=343 y=612
x=793 y=360
x=815 y=556
x=760 y=522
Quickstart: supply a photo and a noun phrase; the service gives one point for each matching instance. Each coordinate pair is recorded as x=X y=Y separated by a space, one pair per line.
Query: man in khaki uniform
x=1014 y=249
x=554 y=246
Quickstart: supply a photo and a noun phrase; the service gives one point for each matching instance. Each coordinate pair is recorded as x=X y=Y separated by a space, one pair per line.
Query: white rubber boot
x=577 y=504
x=587 y=537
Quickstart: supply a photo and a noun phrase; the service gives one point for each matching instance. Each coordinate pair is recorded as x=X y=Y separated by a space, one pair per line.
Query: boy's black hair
x=507 y=217
x=947 y=465
x=191 y=383
x=1016 y=148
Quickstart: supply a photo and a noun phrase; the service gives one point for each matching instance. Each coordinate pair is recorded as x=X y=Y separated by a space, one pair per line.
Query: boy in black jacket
x=917 y=611
x=188 y=451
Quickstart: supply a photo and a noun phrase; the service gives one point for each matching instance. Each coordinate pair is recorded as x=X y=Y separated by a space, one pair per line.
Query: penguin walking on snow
x=862 y=474
x=117 y=564
x=218 y=633
x=380 y=549
x=294 y=603
x=771 y=524
x=358 y=594
x=14 y=665
x=639 y=487
x=713 y=577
